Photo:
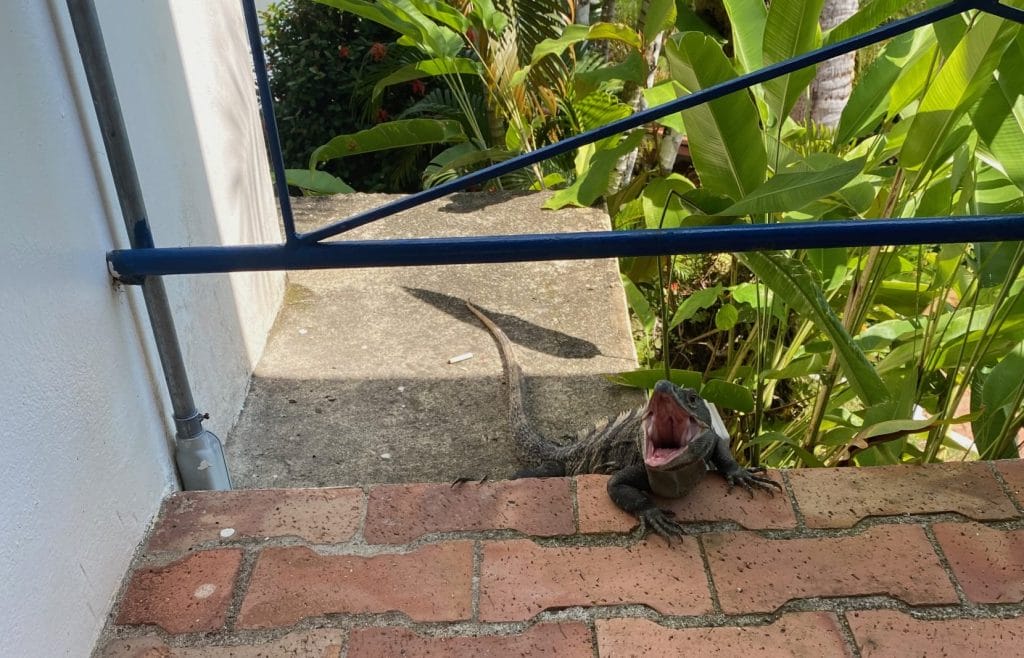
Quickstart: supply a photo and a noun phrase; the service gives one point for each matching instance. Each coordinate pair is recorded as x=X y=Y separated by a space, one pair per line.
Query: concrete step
x=355 y=385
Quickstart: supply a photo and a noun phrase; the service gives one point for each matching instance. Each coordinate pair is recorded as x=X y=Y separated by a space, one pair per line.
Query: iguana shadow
x=519 y=331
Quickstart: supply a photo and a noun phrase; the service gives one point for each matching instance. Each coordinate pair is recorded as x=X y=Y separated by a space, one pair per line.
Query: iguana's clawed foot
x=661 y=522
x=746 y=478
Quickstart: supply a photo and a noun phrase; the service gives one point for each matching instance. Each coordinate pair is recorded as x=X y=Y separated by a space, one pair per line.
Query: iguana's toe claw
x=661 y=522
x=745 y=478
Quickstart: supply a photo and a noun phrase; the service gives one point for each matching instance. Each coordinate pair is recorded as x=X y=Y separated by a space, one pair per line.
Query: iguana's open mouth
x=668 y=429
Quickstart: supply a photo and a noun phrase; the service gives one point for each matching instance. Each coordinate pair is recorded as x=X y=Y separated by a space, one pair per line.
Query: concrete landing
x=355 y=385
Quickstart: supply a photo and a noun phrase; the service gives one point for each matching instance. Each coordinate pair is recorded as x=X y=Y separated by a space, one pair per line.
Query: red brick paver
x=568 y=640
x=401 y=513
x=385 y=572
x=988 y=563
x=319 y=516
x=189 y=595
x=755 y=574
x=711 y=501
x=322 y=643
x=1012 y=471
x=892 y=633
x=518 y=578
x=840 y=497
x=429 y=584
x=796 y=634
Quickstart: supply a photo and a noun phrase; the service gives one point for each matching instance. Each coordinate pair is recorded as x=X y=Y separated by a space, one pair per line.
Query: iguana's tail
x=531 y=447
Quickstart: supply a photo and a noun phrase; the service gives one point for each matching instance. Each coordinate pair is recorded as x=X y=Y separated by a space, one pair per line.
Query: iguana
x=662 y=447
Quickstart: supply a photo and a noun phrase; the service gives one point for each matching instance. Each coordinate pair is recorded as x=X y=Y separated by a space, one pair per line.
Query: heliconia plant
x=854 y=355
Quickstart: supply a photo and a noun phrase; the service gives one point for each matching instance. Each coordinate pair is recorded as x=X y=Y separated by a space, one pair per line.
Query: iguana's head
x=676 y=427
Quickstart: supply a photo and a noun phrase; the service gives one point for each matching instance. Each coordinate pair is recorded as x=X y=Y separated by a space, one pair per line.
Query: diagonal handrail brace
x=198 y=453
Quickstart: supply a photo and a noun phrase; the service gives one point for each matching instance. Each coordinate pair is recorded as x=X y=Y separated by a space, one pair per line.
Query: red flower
x=418 y=88
x=471 y=35
x=378 y=51
x=343 y=52
x=382 y=115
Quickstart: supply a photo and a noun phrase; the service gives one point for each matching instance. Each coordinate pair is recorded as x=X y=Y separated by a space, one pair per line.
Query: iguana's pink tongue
x=667 y=428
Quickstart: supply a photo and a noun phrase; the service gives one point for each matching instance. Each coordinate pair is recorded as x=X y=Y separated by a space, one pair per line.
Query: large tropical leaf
x=697 y=301
x=313 y=182
x=593 y=182
x=795 y=187
x=459 y=158
x=647 y=379
x=574 y=34
x=663 y=93
x=747 y=18
x=660 y=16
x=384 y=136
x=791 y=28
x=724 y=134
x=403 y=16
x=999 y=115
x=964 y=76
x=791 y=280
x=663 y=201
x=638 y=302
x=870 y=15
x=631 y=69
x=425 y=69
x=1000 y=389
x=868 y=103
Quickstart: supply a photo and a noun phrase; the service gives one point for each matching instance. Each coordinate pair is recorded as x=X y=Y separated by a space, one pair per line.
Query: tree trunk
x=623 y=172
x=831 y=87
x=582 y=16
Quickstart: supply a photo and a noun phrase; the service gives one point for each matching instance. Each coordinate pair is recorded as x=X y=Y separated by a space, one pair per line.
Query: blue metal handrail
x=307 y=251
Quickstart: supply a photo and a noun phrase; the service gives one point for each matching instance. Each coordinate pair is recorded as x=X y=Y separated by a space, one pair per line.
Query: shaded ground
x=355 y=385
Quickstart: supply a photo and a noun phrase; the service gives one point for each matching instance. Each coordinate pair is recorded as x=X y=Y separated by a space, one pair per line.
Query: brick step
x=844 y=561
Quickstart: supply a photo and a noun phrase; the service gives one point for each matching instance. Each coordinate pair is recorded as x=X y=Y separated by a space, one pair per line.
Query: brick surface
x=754 y=574
x=1012 y=471
x=400 y=513
x=710 y=502
x=315 y=515
x=518 y=578
x=892 y=633
x=568 y=640
x=798 y=634
x=988 y=563
x=429 y=584
x=189 y=595
x=322 y=643
x=840 y=497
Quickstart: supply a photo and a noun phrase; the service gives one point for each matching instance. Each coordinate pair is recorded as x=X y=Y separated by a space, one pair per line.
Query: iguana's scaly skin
x=663 y=447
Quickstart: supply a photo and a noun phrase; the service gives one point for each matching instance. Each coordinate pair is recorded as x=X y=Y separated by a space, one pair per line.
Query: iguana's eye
x=691 y=397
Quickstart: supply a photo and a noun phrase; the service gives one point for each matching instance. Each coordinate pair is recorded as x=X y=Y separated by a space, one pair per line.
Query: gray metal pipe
x=198 y=452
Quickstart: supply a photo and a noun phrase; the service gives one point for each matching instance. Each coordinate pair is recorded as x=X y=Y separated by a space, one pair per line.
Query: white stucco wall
x=84 y=418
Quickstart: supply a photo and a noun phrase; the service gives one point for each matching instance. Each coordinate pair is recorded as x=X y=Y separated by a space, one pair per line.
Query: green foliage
x=323 y=67
x=517 y=75
x=314 y=183
x=853 y=356
x=394 y=134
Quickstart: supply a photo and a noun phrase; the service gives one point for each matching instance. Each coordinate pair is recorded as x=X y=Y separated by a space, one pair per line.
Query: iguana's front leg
x=630 y=490
x=724 y=463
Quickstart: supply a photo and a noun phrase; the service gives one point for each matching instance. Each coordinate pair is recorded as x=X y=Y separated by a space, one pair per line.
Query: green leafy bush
x=854 y=355
x=323 y=68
